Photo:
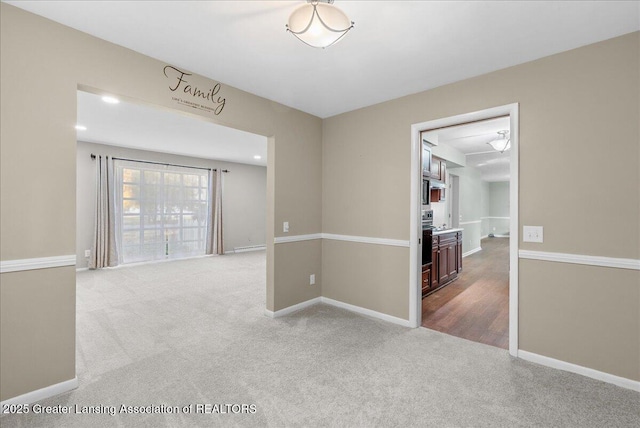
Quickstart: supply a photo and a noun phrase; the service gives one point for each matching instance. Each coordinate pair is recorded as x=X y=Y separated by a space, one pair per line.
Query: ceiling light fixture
x=110 y=100
x=501 y=144
x=257 y=157
x=319 y=24
x=81 y=128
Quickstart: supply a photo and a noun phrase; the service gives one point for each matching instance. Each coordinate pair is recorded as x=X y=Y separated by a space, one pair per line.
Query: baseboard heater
x=249 y=248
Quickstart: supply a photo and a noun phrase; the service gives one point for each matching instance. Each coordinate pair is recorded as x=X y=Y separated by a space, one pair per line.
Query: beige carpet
x=193 y=332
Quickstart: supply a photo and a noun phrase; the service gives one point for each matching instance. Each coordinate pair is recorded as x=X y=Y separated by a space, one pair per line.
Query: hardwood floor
x=476 y=305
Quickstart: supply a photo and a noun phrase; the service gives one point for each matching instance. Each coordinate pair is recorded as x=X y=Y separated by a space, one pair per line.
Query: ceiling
x=396 y=48
x=473 y=140
x=150 y=128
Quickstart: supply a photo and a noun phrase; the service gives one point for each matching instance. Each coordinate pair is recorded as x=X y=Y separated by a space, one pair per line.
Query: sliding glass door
x=163 y=211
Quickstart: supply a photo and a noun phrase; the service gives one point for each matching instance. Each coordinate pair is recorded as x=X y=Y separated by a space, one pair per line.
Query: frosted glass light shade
x=501 y=145
x=319 y=24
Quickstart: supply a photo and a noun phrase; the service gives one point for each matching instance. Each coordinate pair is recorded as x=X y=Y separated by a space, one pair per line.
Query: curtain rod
x=162 y=163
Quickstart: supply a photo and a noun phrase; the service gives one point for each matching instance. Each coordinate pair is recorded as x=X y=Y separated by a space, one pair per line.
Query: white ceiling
x=396 y=48
x=473 y=140
x=150 y=128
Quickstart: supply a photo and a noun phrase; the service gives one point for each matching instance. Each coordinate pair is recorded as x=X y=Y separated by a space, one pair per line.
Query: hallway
x=476 y=306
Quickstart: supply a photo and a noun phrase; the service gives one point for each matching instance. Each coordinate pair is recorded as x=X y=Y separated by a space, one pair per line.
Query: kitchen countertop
x=441 y=232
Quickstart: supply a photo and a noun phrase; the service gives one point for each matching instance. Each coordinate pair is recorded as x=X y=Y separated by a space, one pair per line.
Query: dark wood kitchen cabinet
x=435 y=260
x=426 y=279
x=448 y=257
x=438 y=169
x=459 y=252
x=446 y=262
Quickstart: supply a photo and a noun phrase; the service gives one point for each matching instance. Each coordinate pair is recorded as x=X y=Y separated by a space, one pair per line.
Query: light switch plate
x=532 y=234
x=285 y=226
x=312 y=279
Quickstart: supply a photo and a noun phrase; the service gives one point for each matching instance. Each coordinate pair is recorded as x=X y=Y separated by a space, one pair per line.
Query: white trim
x=584 y=371
x=37 y=263
x=82 y=269
x=470 y=222
x=468 y=253
x=580 y=259
x=42 y=393
x=514 y=216
x=337 y=304
x=292 y=309
x=250 y=248
x=499 y=218
x=364 y=311
x=347 y=238
x=367 y=240
x=296 y=238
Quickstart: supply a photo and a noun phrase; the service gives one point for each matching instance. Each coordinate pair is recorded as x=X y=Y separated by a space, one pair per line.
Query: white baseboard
x=81 y=269
x=41 y=394
x=468 y=253
x=292 y=309
x=584 y=371
x=338 y=304
x=364 y=311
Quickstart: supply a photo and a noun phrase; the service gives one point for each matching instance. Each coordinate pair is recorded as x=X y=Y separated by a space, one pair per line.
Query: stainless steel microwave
x=426 y=191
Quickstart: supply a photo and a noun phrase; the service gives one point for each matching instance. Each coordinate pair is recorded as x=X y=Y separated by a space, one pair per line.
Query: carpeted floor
x=193 y=332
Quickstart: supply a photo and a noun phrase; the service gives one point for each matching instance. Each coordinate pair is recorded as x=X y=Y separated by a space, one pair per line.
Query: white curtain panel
x=105 y=251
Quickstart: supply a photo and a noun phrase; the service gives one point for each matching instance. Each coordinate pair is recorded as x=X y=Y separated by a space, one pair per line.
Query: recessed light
x=257 y=157
x=110 y=100
x=81 y=128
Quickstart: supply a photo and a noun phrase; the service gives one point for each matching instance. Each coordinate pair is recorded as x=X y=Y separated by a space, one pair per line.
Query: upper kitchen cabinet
x=438 y=169
x=426 y=159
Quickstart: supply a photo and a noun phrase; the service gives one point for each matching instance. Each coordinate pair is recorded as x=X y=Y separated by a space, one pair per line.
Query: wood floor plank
x=476 y=305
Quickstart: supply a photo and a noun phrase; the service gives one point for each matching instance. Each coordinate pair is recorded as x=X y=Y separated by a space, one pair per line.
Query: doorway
x=165 y=165
x=511 y=250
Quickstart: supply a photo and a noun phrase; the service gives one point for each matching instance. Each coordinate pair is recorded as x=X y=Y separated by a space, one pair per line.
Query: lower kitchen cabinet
x=426 y=278
x=446 y=262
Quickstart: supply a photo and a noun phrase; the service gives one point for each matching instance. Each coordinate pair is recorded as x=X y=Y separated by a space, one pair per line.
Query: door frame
x=415 y=217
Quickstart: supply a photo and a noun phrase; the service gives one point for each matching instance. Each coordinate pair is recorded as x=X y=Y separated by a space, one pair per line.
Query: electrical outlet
x=285 y=227
x=532 y=234
x=312 y=279
x=87 y=253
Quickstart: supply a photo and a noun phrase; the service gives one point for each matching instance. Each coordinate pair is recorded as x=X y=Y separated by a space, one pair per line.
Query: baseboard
x=337 y=304
x=584 y=371
x=468 y=253
x=41 y=394
x=292 y=309
x=364 y=311
x=81 y=269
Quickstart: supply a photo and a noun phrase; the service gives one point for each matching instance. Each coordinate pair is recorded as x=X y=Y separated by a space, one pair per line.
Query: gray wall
x=472 y=205
x=243 y=205
x=498 y=221
x=569 y=104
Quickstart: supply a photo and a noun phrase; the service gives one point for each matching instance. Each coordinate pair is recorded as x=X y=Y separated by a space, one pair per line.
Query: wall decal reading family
x=179 y=82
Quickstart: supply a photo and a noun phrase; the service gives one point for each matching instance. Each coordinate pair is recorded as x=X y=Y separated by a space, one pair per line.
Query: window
x=163 y=211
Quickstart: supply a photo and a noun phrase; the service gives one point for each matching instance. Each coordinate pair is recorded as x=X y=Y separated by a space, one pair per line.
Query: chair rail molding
x=37 y=263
